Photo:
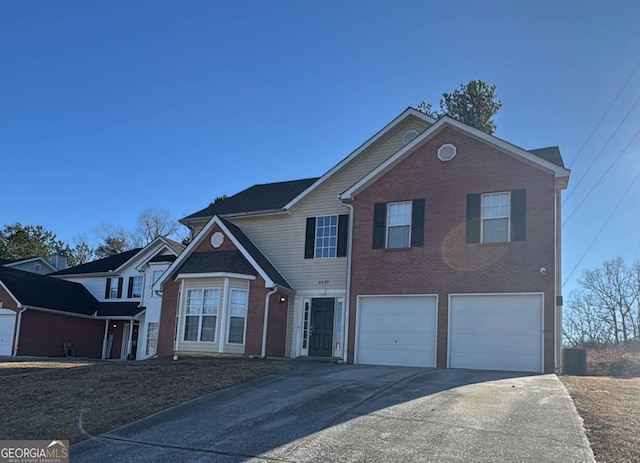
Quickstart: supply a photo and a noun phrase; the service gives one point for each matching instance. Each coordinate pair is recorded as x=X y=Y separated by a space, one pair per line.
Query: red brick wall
x=44 y=334
x=168 y=314
x=255 y=313
x=446 y=264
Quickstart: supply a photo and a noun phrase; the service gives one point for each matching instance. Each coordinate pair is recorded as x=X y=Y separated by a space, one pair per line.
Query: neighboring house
x=39 y=314
x=433 y=244
x=122 y=284
x=31 y=264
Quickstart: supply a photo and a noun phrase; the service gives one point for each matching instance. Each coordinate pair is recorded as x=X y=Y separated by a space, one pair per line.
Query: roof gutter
x=265 y=325
x=17 y=337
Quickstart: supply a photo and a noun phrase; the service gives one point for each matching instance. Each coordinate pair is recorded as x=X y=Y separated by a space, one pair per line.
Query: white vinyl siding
x=282 y=238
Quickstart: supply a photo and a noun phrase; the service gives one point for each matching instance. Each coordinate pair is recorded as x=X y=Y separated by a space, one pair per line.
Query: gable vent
x=410 y=135
x=446 y=152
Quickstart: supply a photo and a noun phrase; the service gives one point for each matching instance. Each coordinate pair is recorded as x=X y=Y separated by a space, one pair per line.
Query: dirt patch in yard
x=610 y=408
x=76 y=400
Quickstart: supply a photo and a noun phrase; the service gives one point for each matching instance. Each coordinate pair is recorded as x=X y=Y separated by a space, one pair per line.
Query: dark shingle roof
x=100 y=265
x=217 y=261
x=266 y=197
x=163 y=258
x=45 y=292
x=551 y=154
x=119 y=309
x=257 y=255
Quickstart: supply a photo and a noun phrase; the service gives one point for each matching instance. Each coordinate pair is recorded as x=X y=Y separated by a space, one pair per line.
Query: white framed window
x=155 y=276
x=496 y=211
x=237 y=316
x=399 y=225
x=338 y=327
x=136 y=288
x=305 y=324
x=113 y=289
x=408 y=136
x=201 y=314
x=326 y=237
x=152 y=338
x=37 y=267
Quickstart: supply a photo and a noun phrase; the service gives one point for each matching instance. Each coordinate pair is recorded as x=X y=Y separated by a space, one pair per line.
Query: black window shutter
x=379 y=225
x=120 y=282
x=417 y=223
x=107 y=289
x=473 y=218
x=310 y=238
x=343 y=228
x=518 y=215
x=130 y=288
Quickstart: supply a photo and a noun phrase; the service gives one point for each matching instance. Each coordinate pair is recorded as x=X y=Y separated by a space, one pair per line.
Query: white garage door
x=496 y=332
x=397 y=330
x=7 y=324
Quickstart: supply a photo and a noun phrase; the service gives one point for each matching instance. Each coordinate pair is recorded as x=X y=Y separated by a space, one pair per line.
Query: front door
x=321 y=329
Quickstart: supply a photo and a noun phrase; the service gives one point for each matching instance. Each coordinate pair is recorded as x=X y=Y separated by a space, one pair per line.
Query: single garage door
x=496 y=332
x=7 y=324
x=397 y=330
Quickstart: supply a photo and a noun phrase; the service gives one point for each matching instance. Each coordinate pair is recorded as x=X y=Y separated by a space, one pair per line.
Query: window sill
x=396 y=249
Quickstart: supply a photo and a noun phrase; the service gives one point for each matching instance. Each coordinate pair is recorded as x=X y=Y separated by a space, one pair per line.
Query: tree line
x=18 y=241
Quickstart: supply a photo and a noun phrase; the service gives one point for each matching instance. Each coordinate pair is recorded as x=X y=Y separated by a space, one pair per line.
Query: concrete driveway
x=326 y=413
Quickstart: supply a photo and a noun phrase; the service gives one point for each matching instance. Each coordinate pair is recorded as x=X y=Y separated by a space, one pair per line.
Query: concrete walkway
x=346 y=413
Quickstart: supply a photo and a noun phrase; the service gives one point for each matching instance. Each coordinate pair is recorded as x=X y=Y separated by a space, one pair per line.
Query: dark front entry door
x=321 y=329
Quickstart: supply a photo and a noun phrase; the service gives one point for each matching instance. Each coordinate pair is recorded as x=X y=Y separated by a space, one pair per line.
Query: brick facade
x=44 y=334
x=255 y=312
x=445 y=264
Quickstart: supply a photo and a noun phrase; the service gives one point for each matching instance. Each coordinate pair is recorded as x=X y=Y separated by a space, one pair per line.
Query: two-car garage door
x=397 y=330
x=496 y=332
x=486 y=331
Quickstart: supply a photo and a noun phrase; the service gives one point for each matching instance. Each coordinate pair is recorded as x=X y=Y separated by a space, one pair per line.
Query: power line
x=601 y=177
x=587 y=108
x=606 y=112
x=603 y=148
x=602 y=228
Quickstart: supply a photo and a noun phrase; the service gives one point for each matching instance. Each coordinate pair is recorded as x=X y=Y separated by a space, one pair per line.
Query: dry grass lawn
x=609 y=403
x=75 y=400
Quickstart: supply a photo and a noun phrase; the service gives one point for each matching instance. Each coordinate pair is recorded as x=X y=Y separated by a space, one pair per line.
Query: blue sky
x=108 y=108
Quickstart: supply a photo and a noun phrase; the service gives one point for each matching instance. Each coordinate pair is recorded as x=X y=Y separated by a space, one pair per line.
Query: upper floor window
x=326 y=236
x=201 y=314
x=399 y=225
x=135 y=286
x=495 y=217
x=498 y=217
x=155 y=276
x=113 y=293
x=37 y=268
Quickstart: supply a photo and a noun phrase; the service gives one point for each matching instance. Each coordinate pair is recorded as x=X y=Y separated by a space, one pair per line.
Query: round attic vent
x=410 y=135
x=217 y=239
x=446 y=152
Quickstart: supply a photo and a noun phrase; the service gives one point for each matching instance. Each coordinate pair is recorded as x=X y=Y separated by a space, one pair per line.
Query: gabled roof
x=258 y=198
x=260 y=265
x=104 y=265
x=551 y=154
x=16 y=262
x=163 y=258
x=119 y=309
x=41 y=291
x=217 y=262
x=533 y=159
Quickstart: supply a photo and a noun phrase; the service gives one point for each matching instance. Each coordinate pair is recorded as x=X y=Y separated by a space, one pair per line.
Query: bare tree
x=606 y=308
x=153 y=223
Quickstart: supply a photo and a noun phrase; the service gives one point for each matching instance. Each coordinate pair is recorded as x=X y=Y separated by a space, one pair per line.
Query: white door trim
x=356 y=359
x=541 y=366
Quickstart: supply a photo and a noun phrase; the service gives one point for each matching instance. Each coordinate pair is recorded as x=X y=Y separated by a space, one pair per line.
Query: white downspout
x=17 y=337
x=265 y=325
x=347 y=302
x=104 y=340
